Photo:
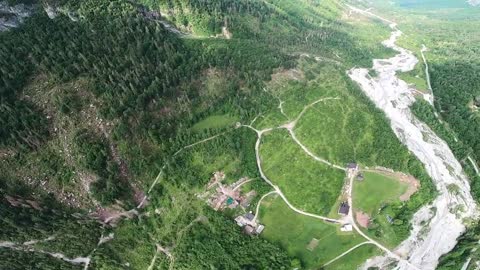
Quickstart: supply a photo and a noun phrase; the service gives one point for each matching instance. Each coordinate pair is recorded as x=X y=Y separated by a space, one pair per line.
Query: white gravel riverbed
x=436 y=226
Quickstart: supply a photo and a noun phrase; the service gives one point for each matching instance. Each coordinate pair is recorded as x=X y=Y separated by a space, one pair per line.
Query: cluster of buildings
x=353 y=170
x=228 y=196
x=222 y=197
x=249 y=224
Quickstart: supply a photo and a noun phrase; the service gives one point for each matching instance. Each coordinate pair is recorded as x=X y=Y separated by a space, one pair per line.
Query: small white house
x=346 y=228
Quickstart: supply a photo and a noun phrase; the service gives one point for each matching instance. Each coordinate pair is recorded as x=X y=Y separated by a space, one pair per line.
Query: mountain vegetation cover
x=115 y=114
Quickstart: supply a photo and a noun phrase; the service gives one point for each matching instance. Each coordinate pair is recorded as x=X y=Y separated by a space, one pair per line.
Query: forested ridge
x=95 y=102
x=457 y=91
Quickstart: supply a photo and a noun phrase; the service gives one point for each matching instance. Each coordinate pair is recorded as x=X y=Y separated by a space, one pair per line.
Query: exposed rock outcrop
x=13 y=16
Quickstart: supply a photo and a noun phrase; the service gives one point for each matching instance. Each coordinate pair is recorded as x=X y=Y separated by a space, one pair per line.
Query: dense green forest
x=457 y=88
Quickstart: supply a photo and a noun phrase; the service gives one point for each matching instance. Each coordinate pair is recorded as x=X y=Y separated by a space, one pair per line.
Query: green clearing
x=355 y=258
x=214 y=122
x=294 y=232
x=375 y=190
x=208 y=164
x=415 y=77
x=348 y=128
x=378 y=195
x=308 y=184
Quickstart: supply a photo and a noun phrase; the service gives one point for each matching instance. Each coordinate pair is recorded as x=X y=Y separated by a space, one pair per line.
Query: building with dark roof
x=352 y=165
x=249 y=216
x=344 y=208
x=249 y=229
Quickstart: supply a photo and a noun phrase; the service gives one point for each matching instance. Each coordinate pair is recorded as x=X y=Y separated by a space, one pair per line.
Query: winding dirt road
x=275 y=187
x=350 y=219
x=260 y=202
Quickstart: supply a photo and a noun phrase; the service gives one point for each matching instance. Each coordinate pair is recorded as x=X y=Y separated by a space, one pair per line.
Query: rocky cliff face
x=12 y=16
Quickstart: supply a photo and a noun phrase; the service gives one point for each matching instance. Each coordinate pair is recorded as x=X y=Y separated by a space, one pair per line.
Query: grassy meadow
x=294 y=232
x=355 y=258
x=308 y=184
x=376 y=189
x=214 y=122
x=341 y=129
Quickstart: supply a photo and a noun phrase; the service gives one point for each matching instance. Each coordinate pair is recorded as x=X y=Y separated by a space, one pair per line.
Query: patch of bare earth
x=313 y=244
x=413 y=186
x=474 y=106
x=362 y=218
x=139 y=197
x=20 y=202
x=281 y=76
x=6 y=153
x=113 y=214
x=354 y=17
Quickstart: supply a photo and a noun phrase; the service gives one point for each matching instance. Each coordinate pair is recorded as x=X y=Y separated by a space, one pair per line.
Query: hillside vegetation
x=115 y=114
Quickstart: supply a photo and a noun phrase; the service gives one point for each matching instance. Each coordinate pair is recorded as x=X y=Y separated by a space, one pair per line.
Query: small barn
x=352 y=166
x=259 y=229
x=346 y=228
x=344 y=208
x=249 y=216
x=249 y=230
x=389 y=219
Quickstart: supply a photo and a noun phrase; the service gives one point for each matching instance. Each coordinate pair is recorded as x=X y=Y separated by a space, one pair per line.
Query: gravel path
x=275 y=187
x=260 y=202
x=346 y=252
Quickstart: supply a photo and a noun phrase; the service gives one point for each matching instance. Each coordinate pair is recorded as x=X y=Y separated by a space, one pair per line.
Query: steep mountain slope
x=115 y=114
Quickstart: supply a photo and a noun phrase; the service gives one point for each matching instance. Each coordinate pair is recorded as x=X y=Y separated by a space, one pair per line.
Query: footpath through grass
x=295 y=233
x=310 y=185
x=355 y=258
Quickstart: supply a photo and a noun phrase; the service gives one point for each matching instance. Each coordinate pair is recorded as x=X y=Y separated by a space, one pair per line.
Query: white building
x=346 y=228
